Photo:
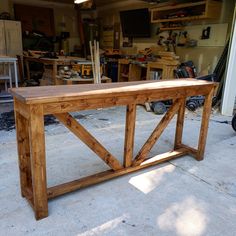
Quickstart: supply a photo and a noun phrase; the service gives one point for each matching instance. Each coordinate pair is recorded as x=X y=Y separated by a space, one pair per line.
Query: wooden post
x=23 y=147
x=180 y=124
x=204 y=126
x=54 y=73
x=129 y=134
x=27 y=69
x=81 y=31
x=20 y=69
x=77 y=129
x=38 y=162
x=156 y=134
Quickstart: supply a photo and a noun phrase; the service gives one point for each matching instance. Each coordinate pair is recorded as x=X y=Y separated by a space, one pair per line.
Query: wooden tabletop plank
x=58 y=59
x=45 y=94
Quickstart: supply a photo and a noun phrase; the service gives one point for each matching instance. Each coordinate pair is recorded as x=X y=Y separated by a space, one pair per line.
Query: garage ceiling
x=98 y=2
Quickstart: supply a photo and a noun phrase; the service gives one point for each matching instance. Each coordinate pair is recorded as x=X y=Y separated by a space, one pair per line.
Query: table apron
x=112 y=100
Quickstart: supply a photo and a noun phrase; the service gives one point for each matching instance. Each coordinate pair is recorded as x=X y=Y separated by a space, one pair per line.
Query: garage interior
x=50 y=44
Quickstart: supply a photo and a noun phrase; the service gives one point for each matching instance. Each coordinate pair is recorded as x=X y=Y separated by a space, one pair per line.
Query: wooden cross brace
x=77 y=129
x=156 y=134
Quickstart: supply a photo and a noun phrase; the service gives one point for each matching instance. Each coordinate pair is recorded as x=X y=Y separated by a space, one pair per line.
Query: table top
x=46 y=94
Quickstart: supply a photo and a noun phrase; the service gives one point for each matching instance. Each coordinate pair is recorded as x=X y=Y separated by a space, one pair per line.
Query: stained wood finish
x=93 y=103
x=129 y=134
x=204 y=126
x=180 y=123
x=110 y=174
x=142 y=155
x=50 y=94
x=23 y=152
x=21 y=108
x=89 y=140
x=31 y=104
x=192 y=151
x=38 y=162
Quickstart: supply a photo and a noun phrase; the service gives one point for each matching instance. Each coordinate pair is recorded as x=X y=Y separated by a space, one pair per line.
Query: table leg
x=38 y=161
x=204 y=126
x=16 y=76
x=6 y=88
x=180 y=124
x=69 y=82
x=10 y=75
x=27 y=69
x=54 y=73
x=22 y=134
x=129 y=134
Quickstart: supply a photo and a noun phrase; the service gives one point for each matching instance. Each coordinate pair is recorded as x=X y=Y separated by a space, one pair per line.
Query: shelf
x=208 y=9
x=171 y=28
x=188 y=18
x=5 y=77
x=184 y=5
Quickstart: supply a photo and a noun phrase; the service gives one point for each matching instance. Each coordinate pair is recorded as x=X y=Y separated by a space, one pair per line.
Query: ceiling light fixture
x=79 y=1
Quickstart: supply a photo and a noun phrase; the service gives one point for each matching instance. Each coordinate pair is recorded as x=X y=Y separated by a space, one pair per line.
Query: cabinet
x=10 y=47
x=196 y=10
x=128 y=71
x=10 y=38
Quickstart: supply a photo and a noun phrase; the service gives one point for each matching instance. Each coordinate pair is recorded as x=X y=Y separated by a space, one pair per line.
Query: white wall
x=230 y=81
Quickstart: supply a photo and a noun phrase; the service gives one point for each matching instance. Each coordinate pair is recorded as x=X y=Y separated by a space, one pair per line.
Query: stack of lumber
x=168 y=58
x=95 y=57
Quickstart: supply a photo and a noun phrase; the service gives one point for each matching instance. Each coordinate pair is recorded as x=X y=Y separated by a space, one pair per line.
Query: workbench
x=60 y=61
x=166 y=67
x=7 y=77
x=31 y=104
x=104 y=79
x=131 y=70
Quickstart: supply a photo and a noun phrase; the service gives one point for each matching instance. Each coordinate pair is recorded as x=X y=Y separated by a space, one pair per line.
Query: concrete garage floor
x=180 y=197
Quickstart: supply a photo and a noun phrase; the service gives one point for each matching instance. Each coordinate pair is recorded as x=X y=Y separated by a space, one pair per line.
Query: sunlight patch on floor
x=148 y=181
x=104 y=228
x=185 y=218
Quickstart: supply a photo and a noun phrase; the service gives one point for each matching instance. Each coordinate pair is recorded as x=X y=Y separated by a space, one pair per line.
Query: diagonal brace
x=142 y=155
x=77 y=129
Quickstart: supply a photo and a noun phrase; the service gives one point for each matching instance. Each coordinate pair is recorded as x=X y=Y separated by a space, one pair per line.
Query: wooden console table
x=31 y=104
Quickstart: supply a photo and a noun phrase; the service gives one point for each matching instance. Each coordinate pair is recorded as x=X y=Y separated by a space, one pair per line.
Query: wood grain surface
x=33 y=95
